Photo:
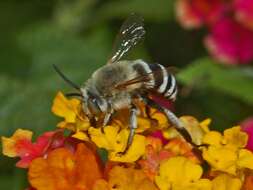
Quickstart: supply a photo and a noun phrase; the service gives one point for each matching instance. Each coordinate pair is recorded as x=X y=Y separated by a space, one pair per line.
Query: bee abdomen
x=160 y=80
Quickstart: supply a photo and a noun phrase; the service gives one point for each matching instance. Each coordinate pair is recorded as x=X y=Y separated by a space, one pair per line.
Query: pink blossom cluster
x=229 y=23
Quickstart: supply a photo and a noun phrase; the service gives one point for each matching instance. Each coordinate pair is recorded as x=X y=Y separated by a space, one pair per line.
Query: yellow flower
x=235 y=138
x=180 y=173
x=221 y=158
x=114 y=140
x=232 y=138
x=71 y=111
x=194 y=129
x=225 y=152
x=212 y=138
x=245 y=159
x=68 y=109
x=226 y=182
x=205 y=124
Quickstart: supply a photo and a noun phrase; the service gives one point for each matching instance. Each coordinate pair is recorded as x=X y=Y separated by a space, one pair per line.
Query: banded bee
x=117 y=84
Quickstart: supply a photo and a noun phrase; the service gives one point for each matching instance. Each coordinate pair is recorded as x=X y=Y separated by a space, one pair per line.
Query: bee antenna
x=65 y=78
x=73 y=94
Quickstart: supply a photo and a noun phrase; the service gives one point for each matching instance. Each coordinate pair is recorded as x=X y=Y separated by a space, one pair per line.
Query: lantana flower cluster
x=79 y=155
x=229 y=24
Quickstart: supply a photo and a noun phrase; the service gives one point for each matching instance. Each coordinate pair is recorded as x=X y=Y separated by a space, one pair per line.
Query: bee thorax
x=108 y=77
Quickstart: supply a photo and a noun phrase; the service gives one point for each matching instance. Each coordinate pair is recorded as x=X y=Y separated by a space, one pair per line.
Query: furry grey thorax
x=101 y=88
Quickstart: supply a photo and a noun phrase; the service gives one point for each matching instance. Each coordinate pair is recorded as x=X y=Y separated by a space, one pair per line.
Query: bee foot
x=119 y=154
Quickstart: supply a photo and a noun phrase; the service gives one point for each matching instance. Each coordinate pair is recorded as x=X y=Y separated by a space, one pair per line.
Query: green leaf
x=74 y=15
x=152 y=10
x=80 y=56
x=27 y=103
x=230 y=80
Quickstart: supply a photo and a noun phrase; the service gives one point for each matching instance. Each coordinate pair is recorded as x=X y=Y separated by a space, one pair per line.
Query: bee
x=119 y=83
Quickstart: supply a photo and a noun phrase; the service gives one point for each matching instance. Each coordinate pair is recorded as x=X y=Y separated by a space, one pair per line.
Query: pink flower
x=244 y=12
x=195 y=13
x=230 y=42
x=247 y=126
x=159 y=134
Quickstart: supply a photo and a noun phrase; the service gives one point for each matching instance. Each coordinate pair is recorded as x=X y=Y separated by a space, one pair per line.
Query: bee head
x=93 y=104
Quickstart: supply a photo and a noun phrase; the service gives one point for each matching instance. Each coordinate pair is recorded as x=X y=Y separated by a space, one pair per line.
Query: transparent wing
x=131 y=32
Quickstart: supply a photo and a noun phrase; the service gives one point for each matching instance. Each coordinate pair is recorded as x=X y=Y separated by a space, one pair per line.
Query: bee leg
x=132 y=126
x=107 y=119
x=147 y=111
x=93 y=121
x=172 y=118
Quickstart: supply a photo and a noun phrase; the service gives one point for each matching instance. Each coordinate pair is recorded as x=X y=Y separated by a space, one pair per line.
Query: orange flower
x=121 y=178
x=179 y=147
x=248 y=182
x=154 y=155
x=64 y=170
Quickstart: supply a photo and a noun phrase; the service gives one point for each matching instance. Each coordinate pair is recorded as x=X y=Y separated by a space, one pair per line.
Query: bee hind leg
x=172 y=118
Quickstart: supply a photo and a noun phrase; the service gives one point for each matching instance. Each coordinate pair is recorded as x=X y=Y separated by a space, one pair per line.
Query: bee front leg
x=107 y=118
x=132 y=126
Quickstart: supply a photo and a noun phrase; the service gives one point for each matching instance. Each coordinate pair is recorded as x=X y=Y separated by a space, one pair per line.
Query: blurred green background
x=77 y=35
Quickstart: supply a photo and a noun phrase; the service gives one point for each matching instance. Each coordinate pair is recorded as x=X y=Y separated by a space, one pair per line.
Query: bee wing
x=131 y=32
x=140 y=79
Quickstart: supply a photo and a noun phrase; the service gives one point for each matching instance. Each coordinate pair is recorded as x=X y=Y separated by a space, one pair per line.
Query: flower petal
x=248 y=182
x=65 y=108
x=12 y=144
x=247 y=126
x=182 y=169
x=221 y=158
x=212 y=138
x=230 y=42
x=63 y=170
x=112 y=139
x=244 y=12
x=194 y=129
x=193 y=14
x=235 y=137
x=245 y=159
x=115 y=140
x=20 y=145
x=135 y=151
x=226 y=182
x=121 y=178
x=81 y=136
